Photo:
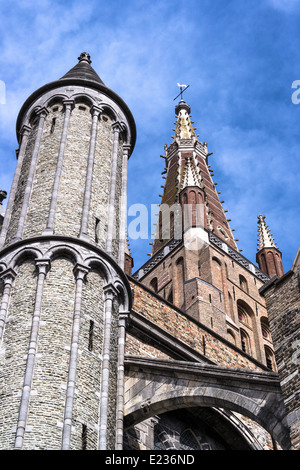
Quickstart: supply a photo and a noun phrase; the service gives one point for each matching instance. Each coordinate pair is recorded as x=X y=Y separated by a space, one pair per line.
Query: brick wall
x=213 y=290
x=282 y=299
x=187 y=330
x=17 y=205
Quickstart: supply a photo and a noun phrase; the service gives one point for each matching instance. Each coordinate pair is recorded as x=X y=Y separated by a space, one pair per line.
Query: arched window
x=188 y=441
x=153 y=284
x=245 y=313
x=265 y=329
x=245 y=342
x=170 y=296
x=243 y=283
x=242 y=314
x=217 y=273
x=270 y=359
x=231 y=311
x=231 y=337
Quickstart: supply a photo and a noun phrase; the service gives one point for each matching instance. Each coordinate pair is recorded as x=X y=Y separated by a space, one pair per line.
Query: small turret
x=268 y=256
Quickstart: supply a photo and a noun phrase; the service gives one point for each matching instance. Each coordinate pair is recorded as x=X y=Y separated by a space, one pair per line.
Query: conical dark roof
x=82 y=74
x=83 y=70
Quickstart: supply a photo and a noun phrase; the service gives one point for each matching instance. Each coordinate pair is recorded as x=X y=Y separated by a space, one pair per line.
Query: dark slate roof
x=83 y=70
x=82 y=74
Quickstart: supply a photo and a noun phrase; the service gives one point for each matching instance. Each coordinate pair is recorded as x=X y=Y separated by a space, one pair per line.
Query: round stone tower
x=64 y=295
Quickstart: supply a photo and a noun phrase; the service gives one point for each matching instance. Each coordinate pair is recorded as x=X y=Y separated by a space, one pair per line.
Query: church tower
x=64 y=295
x=195 y=263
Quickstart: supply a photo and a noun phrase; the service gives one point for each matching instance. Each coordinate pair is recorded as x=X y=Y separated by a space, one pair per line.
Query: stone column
x=8 y=277
x=123 y=207
x=43 y=112
x=111 y=203
x=109 y=296
x=24 y=133
x=123 y=320
x=43 y=265
x=80 y=272
x=50 y=223
x=89 y=174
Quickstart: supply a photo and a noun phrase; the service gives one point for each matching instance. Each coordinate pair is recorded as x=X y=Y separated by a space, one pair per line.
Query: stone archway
x=154 y=386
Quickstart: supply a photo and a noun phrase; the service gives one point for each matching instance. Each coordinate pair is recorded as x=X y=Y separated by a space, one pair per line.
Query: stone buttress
x=64 y=295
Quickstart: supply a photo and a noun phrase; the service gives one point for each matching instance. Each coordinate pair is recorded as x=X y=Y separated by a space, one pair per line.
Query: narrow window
x=84 y=437
x=153 y=284
x=53 y=125
x=199 y=268
x=269 y=359
x=170 y=297
x=97 y=221
x=91 y=335
x=269 y=363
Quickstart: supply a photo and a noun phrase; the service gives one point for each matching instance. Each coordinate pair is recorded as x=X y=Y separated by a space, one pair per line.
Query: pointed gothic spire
x=268 y=256
x=184 y=126
x=265 y=238
x=187 y=169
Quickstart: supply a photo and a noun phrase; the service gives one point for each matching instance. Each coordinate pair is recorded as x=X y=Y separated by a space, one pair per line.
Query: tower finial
x=268 y=256
x=85 y=56
x=182 y=89
x=265 y=238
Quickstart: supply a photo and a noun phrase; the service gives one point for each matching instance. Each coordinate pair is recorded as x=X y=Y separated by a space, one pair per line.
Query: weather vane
x=182 y=89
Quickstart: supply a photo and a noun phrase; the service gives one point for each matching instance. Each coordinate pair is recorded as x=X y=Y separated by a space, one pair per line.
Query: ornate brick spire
x=188 y=180
x=265 y=237
x=184 y=125
x=268 y=256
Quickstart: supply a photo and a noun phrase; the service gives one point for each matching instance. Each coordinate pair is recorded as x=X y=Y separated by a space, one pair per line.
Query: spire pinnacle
x=190 y=174
x=184 y=125
x=85 y=56
x=83 y=70
x=265 y=238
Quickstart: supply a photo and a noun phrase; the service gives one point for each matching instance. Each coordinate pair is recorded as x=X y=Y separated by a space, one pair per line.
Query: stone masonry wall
x=46 y=410
x=97 y=223
x=48 y=391
x=72 y=184
x=116 y=237
x=282 y=300
x=88 y=383
x=14 y=349
x=17 y=205
x=44 y=175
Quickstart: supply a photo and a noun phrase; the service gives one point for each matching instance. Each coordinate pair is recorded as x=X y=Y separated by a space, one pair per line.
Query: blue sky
x=240 y=58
